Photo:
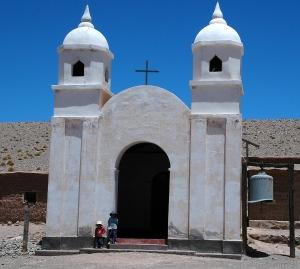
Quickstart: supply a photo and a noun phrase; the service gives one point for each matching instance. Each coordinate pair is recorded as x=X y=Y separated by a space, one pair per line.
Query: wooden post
x=26 y=227
x=244 y=205
x=291 y=211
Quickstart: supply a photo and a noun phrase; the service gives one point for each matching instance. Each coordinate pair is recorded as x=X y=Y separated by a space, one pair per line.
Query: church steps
x=141 y=241
x=140 y=246
x=166 y=251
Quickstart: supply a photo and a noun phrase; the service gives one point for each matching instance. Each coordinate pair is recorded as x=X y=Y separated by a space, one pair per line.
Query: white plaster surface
x=96 y=62
x=70 y=184
x=230 y=54
x=214 y=198
x=77 y=103
x=86 y=36
x=233 y=169
x=146 y=114
x=198 y=177
x=216 y=99
x=88 y=175
x=215 y=174
x=218 y=32
x=56 y=177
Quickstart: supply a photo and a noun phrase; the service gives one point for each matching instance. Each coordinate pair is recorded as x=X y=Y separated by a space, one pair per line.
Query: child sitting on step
x=100 y=235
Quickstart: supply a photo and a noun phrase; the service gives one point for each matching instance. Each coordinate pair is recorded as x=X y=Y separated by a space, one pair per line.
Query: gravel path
x=145 y=260
x=11 y=237
x=12 y=257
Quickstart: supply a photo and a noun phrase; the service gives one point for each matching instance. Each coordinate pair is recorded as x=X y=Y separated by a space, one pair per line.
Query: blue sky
x=161 y=31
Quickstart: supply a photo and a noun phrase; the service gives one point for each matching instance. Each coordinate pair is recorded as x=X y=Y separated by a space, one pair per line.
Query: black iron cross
x=146 y=71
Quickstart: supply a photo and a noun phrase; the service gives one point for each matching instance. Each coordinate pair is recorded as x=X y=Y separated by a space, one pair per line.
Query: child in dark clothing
x=100 y=232
x=113 y=227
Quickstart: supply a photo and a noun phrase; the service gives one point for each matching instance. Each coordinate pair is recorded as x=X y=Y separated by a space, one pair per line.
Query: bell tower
x=217 y=52
x=82 y=90
x=84 y=71
x=215 y=167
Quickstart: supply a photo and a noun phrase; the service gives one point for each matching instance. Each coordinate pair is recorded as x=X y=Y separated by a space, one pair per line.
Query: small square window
x=78 y=69
x=30 y=197
x=215 y=64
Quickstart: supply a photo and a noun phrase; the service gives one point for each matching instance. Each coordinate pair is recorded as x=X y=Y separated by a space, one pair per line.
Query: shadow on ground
x=253 y=253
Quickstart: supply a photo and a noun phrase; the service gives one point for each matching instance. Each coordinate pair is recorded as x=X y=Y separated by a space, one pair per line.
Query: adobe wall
x=279 y=209
x=12 y=187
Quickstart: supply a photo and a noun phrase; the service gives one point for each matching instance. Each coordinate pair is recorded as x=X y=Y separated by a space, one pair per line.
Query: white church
x=170 y=172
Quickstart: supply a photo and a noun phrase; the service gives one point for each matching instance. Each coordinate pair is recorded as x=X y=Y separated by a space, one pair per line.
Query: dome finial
x=217 y=16
x=217 y=13
x=86 y=20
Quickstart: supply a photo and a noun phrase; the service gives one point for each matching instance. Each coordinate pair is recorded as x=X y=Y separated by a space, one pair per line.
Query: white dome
x=86 y=34
x=218 y=30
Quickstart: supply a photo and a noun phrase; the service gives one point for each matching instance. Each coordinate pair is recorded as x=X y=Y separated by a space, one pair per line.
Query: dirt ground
x=36 y=231
x=144 y=260
x=271 y=241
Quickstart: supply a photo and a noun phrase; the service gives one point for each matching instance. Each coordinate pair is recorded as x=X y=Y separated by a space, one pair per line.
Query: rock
x=13 y=247
x=9 y=223
x=270 y=238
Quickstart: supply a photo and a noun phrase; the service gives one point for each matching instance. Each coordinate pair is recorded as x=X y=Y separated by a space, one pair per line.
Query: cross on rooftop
x=146 y=71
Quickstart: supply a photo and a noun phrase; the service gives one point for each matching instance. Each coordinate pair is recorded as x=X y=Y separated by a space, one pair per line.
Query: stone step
x=166 y=251
x=105 y=250
x=59 y=252
x=139 y=246
x=133 y=241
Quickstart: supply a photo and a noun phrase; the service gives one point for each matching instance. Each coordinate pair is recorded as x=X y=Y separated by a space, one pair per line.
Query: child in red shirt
x=100 y=233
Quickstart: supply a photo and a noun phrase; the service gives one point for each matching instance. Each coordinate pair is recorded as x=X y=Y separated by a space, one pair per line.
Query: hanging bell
x=260 y=188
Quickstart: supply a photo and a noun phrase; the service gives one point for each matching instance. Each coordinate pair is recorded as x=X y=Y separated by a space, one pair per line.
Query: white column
x=105 y=187
x=197 y=177
x=69 y=205
x=117 y=171
x=215 y=162
x=178 y=202
x=88 y=175
x=56 y=176
x=233 y=178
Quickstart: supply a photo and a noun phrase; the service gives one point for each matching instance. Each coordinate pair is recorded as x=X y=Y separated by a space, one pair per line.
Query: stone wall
x=279 y=208
x=12 y=188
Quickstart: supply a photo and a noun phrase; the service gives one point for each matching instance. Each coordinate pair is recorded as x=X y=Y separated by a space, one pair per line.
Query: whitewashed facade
x=92 y=128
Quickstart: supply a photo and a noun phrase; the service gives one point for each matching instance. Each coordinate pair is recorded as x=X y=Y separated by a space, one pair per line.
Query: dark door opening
x=143 y=192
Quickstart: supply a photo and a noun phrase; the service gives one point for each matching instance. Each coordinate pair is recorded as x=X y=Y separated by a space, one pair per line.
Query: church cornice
x=218 y=43
x=86 y=47
x=81 y=88
x=213 y=83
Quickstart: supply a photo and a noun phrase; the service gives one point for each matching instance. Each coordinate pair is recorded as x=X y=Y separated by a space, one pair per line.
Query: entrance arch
x=143 y=192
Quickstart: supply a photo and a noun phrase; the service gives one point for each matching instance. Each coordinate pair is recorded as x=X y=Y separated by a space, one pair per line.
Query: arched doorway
x=143 y=192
